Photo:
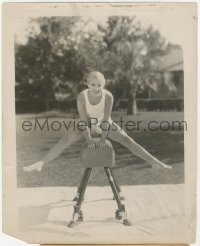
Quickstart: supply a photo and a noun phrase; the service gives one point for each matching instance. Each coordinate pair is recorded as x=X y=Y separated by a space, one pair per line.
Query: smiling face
x=95 y=82
x=95 y=85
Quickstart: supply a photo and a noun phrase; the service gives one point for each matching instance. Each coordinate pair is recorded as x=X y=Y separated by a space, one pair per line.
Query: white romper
x=96 y=112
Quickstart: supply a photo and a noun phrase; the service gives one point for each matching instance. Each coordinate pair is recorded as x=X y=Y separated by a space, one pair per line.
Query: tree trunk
x=132 y=104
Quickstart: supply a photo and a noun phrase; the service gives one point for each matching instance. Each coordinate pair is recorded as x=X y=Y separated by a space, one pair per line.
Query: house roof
x=173 y=61
x=175 y=67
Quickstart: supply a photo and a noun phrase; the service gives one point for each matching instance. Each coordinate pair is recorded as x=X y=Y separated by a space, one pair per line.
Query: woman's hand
x=91 y=145
x=101 y=146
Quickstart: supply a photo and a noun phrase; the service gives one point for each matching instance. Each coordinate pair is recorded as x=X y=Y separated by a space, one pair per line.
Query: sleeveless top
x=96 y=112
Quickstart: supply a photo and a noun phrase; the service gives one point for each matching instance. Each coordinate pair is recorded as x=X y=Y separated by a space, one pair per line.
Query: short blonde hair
x=96 y=75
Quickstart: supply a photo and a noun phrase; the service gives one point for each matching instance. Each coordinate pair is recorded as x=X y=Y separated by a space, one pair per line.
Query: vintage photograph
x=100 y=117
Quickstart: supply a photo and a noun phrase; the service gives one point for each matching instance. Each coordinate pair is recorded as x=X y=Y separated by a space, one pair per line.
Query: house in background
x=172 y=70
x=169 y=94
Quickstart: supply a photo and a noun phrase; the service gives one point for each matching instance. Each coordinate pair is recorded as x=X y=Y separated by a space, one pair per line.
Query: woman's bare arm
x=83 y=124
x=107 y=113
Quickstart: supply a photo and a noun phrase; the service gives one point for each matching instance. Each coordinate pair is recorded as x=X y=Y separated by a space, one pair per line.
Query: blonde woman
x=94 y=107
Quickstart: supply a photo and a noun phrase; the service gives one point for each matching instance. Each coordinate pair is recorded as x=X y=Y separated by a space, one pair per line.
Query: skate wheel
x=80 y=218
x=117 y=215
x=72 y=224
x=127 y=222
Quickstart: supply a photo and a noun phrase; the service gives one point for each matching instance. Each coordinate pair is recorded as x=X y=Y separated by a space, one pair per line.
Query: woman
x=94 y=107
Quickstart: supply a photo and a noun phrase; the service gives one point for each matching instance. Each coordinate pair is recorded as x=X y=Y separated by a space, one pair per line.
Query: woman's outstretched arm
x=83 y=124
x=107 y=113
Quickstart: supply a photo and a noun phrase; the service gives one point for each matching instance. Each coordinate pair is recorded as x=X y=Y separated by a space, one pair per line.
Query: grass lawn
x=66 y=170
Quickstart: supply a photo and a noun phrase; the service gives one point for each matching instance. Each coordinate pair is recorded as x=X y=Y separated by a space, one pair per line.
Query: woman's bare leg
x=68 y=139
x=122 y=137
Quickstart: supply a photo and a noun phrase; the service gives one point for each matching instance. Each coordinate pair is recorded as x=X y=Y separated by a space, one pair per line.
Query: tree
x=131 y=55
x=59 y=51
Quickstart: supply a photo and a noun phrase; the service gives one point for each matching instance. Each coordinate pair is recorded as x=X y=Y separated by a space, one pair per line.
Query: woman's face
x=95 y=85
